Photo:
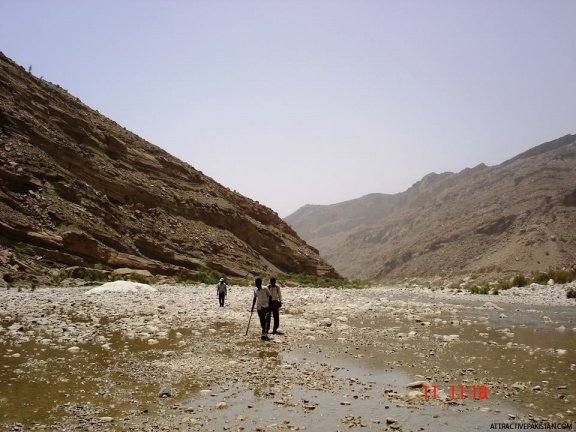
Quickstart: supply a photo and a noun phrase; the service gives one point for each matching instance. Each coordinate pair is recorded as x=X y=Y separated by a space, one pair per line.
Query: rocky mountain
x=483 y=222
x=79 y=190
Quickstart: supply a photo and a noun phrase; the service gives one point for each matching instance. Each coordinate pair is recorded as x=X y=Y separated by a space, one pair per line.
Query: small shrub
x=561 y=276
x=479 y=289
x=239 y=282
x=208 y=276
x=181 y=279
x=540 y=278
x=519 y=281
x=91 y=275
x=503 y=285
x=571 y=293
x=60 y=276
x=140 y=278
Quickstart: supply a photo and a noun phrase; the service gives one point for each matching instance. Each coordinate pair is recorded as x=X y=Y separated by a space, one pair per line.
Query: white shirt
x=261 y=295
x=275 y=292
x=222 y=288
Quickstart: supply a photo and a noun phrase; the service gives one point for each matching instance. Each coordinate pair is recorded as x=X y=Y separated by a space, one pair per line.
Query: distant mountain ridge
x=482 y=222
x=78 y=190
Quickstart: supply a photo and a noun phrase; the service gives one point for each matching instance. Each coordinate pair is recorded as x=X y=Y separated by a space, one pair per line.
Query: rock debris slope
x=77 y=189
x=483 y=222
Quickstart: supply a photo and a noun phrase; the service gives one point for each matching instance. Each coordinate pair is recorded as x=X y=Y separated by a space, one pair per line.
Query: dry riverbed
x=170 y=359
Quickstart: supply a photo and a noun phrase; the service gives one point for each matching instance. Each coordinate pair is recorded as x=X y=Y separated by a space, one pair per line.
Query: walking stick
x=251 y=312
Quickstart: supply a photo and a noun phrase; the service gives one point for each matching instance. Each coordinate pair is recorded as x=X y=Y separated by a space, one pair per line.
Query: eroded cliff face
x=77 y=189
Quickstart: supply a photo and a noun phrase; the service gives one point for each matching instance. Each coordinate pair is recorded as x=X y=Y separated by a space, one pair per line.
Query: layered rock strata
x=77 y=189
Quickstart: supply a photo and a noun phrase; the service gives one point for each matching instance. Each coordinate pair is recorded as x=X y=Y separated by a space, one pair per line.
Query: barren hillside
x=77 y=189
x=482 y=222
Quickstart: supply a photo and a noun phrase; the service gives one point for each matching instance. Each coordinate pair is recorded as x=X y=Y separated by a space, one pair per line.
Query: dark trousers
x=264 y=315
x=275 y=309
x=221 y=297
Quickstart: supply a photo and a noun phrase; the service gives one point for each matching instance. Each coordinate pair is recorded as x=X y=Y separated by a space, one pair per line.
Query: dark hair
x=272 y=281
x=259 y=283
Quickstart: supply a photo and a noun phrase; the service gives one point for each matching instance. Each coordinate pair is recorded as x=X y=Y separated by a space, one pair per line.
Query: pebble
x=164 y=392
x=416 y=384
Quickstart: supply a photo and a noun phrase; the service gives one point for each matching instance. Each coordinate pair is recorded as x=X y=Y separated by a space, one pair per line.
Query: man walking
x=262 y=302
x=275 y=304
x=222 y=291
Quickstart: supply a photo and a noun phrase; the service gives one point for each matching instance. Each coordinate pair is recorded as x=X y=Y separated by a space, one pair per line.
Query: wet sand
x=173 y=360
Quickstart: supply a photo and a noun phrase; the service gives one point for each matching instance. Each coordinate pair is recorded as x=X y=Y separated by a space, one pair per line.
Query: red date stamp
x=477 y=392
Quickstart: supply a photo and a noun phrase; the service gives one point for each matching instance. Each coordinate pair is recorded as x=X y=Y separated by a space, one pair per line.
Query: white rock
x=122 y=287
x=416 y=384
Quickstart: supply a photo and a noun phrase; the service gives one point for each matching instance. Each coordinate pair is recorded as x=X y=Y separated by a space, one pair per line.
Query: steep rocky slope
x=77 y=189
x=482 y=222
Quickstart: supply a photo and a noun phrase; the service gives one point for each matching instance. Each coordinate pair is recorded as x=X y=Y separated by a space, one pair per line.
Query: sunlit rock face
x=77 y=189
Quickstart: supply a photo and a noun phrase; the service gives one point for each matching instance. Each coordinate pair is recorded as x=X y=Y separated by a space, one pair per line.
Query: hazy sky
x=313 y=102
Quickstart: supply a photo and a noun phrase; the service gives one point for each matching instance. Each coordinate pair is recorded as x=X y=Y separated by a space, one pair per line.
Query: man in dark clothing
x=275 y=304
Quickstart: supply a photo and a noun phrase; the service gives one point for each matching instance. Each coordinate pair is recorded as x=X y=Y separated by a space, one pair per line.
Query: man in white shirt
x=262 y=302
x=222 y=291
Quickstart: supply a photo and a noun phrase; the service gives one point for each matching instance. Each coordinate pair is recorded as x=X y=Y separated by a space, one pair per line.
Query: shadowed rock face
x=483 y=222
x=77 y=189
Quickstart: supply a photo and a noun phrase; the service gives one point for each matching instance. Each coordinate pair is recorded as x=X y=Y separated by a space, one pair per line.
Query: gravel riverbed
x=388 y=358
